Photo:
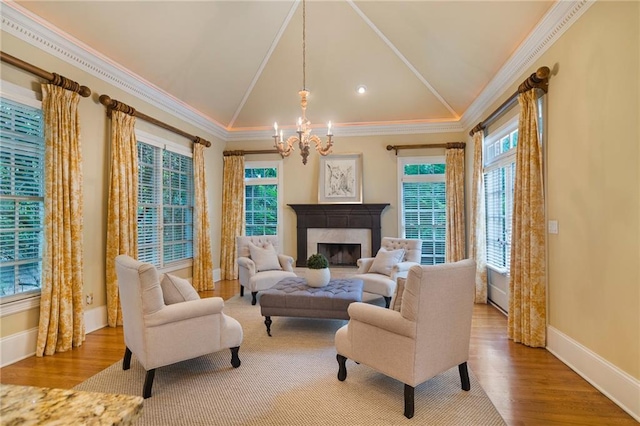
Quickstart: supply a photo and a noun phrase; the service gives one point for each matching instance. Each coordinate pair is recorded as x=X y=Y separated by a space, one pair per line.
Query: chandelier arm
x=280 y=145
x=318 y=142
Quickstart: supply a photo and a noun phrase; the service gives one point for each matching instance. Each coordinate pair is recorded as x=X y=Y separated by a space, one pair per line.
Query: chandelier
x=304 y=137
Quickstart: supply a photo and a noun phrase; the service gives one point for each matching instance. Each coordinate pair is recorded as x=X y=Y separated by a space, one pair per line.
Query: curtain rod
x=113 y=104
x=447 y=145
x=251 y=151
x=53 y=78
x=537 y=80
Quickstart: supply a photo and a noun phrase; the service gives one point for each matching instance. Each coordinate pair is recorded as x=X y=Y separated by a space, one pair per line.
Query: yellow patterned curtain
x=232 y=213
x=61 y=311
x=122 y=222
x=454 y=184
x=527 y=292
x=202 y=262
x=478 y=237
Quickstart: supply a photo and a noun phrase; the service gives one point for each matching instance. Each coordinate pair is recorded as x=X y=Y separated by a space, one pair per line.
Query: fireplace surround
x=347 y=216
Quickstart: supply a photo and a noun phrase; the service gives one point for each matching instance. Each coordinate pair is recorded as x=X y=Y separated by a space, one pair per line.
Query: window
x=21 y=199
x=499 y=176
x=423 y=201
x=165 y=203
x=263 y=186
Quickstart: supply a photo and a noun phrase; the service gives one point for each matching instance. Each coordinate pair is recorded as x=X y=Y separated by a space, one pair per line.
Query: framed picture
x=340 y=180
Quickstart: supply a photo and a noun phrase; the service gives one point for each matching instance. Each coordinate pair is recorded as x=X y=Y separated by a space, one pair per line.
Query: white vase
x=318 y=277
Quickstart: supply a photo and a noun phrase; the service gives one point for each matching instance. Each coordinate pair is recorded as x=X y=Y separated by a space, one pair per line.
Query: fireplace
x=340 y=254
x=337 y=224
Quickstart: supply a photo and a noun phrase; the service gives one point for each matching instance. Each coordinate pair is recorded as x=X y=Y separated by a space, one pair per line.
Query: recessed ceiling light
x=361 y=89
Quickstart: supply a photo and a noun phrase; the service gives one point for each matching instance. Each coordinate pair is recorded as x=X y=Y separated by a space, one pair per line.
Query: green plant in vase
x=318 y=274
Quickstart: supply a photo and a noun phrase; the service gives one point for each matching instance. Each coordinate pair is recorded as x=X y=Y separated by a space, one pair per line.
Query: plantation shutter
x=165 y=205
x=21 y=196
x=148 y=204
x=425 y=218
x=177 y=200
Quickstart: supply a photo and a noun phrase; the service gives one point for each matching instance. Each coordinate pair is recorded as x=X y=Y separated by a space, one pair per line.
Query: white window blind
x=261 y=198
x=423 y=203
x=499 y=177
x=165 y=206
x=21 y=199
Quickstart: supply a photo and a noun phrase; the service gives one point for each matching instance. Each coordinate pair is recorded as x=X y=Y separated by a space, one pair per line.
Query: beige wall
x=379 y=174
x=593 y=182
x=95 y=149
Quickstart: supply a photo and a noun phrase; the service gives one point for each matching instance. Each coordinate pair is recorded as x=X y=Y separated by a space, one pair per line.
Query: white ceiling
x=239 y=63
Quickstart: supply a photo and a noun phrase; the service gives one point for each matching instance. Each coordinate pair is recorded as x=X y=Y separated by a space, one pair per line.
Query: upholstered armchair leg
x=342 y=367
x=464 y=376
x=387 y=301
x=254 y=294
x=409 y=392
x=235 y=360
x=241 y=290
x=126 y=361
x=148 y=383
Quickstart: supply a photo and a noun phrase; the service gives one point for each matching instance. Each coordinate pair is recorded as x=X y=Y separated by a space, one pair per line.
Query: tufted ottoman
x=292 y=297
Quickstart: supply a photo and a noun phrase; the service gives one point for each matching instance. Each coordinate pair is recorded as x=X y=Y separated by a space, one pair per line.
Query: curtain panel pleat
x=454 y=184
x=122 y=222
x=527 y=283
x=478 y=237
x=232 y=214
x=202 y=261
x=61 y=324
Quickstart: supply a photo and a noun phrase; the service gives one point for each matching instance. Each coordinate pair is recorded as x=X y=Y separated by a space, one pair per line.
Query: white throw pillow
x=266 y=259
x=385 y=261
x=176 y=290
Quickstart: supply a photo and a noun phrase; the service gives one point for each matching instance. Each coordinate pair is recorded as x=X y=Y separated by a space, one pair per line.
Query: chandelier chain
x=304 y=47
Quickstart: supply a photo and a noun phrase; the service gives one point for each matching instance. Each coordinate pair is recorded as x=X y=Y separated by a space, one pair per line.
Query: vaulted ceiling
x=239 y=63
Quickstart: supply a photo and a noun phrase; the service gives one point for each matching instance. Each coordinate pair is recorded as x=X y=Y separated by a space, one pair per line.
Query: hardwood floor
x=527 y=386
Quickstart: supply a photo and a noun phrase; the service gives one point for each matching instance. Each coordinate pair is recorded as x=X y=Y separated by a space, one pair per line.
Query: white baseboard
x=22 y=345
x=617 y=385
x=95 y=319
x=18 y=346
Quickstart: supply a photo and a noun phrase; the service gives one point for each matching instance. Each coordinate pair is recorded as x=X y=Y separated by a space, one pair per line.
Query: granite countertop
x=28 y=405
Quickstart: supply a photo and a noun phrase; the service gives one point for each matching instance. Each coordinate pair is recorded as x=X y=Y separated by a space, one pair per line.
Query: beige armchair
x=379 y=274
x=260 y=263
x=160 y=334
x=426 y=335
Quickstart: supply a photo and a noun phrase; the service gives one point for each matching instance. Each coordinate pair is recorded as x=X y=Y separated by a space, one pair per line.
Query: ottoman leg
x=267 y=322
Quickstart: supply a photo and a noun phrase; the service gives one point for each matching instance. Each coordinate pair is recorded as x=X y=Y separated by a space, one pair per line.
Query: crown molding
x=41 y=34
x=558 y=19
x=361 y=130
x=33 y=30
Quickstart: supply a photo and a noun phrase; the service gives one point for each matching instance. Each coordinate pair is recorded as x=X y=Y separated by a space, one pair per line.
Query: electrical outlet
x=553 y=226
x=90 y=299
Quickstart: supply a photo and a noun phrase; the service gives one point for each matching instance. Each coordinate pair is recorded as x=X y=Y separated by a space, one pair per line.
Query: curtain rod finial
x=105 y=100
x=543 y=72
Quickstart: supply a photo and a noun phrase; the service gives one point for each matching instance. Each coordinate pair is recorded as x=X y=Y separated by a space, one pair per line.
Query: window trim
x=278 y=165
x=28 y=300
x=161 y=143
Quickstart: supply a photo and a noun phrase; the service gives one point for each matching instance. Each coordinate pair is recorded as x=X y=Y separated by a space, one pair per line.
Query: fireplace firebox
x=340 y=254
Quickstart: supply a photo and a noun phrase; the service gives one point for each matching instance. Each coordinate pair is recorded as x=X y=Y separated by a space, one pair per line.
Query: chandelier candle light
x=304 y=137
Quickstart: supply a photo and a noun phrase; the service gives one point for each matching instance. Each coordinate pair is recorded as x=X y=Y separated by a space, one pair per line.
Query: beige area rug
x=290 y=379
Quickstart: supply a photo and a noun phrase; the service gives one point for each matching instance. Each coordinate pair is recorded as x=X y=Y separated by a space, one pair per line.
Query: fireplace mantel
x=356 y=216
